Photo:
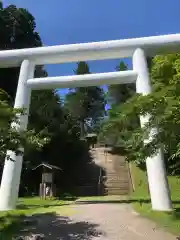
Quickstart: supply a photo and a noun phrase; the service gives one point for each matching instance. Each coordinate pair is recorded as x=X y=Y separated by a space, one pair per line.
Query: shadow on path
x=53 y=226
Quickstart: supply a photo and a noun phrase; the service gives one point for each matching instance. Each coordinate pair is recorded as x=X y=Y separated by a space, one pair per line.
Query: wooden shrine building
x=47 y=187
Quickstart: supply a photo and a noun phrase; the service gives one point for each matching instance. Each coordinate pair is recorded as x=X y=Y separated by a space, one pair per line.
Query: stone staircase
x=116 y=180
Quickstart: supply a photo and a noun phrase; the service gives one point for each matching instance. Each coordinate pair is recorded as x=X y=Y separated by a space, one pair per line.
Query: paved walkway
x=102 y=221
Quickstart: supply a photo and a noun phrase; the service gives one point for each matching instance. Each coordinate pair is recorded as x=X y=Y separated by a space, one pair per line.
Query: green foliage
x=120 y=93
x=11 y=137
x=86 y=104
x=162 y=107
x=82 y=68
x=48 y=117
x=17 y=30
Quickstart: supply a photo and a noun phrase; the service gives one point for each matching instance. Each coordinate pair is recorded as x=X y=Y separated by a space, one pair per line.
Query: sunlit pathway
x=115 y=221
x=98 y=221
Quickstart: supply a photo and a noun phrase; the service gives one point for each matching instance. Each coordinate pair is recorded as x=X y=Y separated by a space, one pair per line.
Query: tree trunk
x=82 y=129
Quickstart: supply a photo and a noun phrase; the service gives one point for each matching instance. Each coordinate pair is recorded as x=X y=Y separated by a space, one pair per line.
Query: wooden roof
x=47 y=165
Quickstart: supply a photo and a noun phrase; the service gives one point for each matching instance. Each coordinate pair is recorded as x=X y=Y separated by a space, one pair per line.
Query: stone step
x=122 y=192
x=113 y=169
x=116 y=171
x=115 y=176
x=122 y=185
x=116 y=190
x=116 y=193
x=123 y=172
x=109 y=190
x=120 y=167
x=117 y=187
x=126 y=184
x=116 y=181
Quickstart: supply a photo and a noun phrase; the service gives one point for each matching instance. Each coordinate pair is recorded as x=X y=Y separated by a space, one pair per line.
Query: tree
x=64 y=148
x=121 y=92
x=11 y=137
x=163 y=108
x=118 y=95
x=86 y=104
x=47 y=116
x=17 y=30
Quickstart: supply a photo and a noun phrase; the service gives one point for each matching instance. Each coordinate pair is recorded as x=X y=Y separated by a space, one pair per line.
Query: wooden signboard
x=47 y=177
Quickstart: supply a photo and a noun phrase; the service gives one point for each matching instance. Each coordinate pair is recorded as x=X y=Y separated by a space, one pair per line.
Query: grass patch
x=141 y=201
x=11 y=220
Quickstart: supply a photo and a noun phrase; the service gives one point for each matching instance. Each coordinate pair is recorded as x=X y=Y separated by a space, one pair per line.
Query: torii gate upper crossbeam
x=91 y=51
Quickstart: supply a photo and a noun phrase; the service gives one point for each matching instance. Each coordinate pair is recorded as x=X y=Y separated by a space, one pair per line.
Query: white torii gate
x=137 y=48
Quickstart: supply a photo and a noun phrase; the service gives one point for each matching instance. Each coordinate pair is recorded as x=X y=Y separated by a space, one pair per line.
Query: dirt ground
x=100 y=221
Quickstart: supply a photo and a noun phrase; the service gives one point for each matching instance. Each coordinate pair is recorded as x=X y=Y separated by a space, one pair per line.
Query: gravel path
x=100 y=221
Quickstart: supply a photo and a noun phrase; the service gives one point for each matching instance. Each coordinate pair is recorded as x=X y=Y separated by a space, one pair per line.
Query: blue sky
x=76 y=21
